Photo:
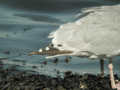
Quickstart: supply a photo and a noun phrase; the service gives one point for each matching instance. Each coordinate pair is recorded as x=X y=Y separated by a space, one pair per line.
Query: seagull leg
x=110 y=66
x=102 y=67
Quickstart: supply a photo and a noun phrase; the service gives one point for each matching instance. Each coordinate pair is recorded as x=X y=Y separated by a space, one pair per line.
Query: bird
x=95 y=36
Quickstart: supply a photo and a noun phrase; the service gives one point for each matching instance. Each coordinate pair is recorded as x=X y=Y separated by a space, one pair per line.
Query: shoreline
x=12 y=79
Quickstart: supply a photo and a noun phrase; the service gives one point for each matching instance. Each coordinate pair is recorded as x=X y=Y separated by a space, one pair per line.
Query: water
x=26 y=24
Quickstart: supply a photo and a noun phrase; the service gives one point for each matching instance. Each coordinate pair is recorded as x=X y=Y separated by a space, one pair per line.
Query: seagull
x=95 y=36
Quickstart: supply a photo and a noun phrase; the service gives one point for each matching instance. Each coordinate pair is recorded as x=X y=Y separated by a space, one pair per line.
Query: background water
x=25 y=26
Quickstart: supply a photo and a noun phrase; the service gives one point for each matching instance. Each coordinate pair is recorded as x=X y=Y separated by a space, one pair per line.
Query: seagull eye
x=51 y=45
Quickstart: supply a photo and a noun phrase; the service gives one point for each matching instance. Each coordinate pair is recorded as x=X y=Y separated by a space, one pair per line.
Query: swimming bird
x=95 y=36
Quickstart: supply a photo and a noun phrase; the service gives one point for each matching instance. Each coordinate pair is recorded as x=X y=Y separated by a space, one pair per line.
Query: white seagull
x=96 y=35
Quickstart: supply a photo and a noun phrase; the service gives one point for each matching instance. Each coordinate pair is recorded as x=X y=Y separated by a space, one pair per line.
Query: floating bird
x=95 y=36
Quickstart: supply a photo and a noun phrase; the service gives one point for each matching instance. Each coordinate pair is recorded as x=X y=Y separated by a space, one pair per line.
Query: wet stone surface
x=18 y=80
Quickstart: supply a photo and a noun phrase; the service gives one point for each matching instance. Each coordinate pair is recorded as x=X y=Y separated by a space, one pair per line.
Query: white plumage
x=47 y=48
x=40 y=50
x=97 y=32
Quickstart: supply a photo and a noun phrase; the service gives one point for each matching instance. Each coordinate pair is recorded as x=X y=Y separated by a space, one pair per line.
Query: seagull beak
x=34 y=53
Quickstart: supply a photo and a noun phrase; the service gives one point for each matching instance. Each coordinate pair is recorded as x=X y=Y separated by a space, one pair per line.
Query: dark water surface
x=25 y=26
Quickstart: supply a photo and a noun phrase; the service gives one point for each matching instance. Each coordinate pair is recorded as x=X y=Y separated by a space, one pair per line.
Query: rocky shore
x=12 y=79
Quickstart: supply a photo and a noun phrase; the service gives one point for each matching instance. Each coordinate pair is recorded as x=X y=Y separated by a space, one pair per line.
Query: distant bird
x=95 y=36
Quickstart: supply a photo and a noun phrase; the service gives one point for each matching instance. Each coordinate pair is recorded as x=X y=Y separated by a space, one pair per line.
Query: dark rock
x=67 y=59
x=68 y=73
x=34 y=67
x=46 y=88
x=18 y=80
x=60 y=88
x=55 y=61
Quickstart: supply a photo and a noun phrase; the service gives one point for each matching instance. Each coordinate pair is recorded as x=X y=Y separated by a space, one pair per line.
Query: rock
x=18 y=80
x=46 y=88
x=68 y=74
x=60 y=88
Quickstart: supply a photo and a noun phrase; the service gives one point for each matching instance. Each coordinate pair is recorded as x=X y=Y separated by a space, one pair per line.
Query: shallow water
x=25 y=26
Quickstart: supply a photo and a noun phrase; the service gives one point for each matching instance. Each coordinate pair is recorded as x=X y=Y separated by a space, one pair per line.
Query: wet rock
x=68 y=73
x=34 y=67
x=18 y=80
x=46 y=88
x=58 y=73
x=55 y=61
x=67 y=59
x=53 y=82
x=60 y=88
